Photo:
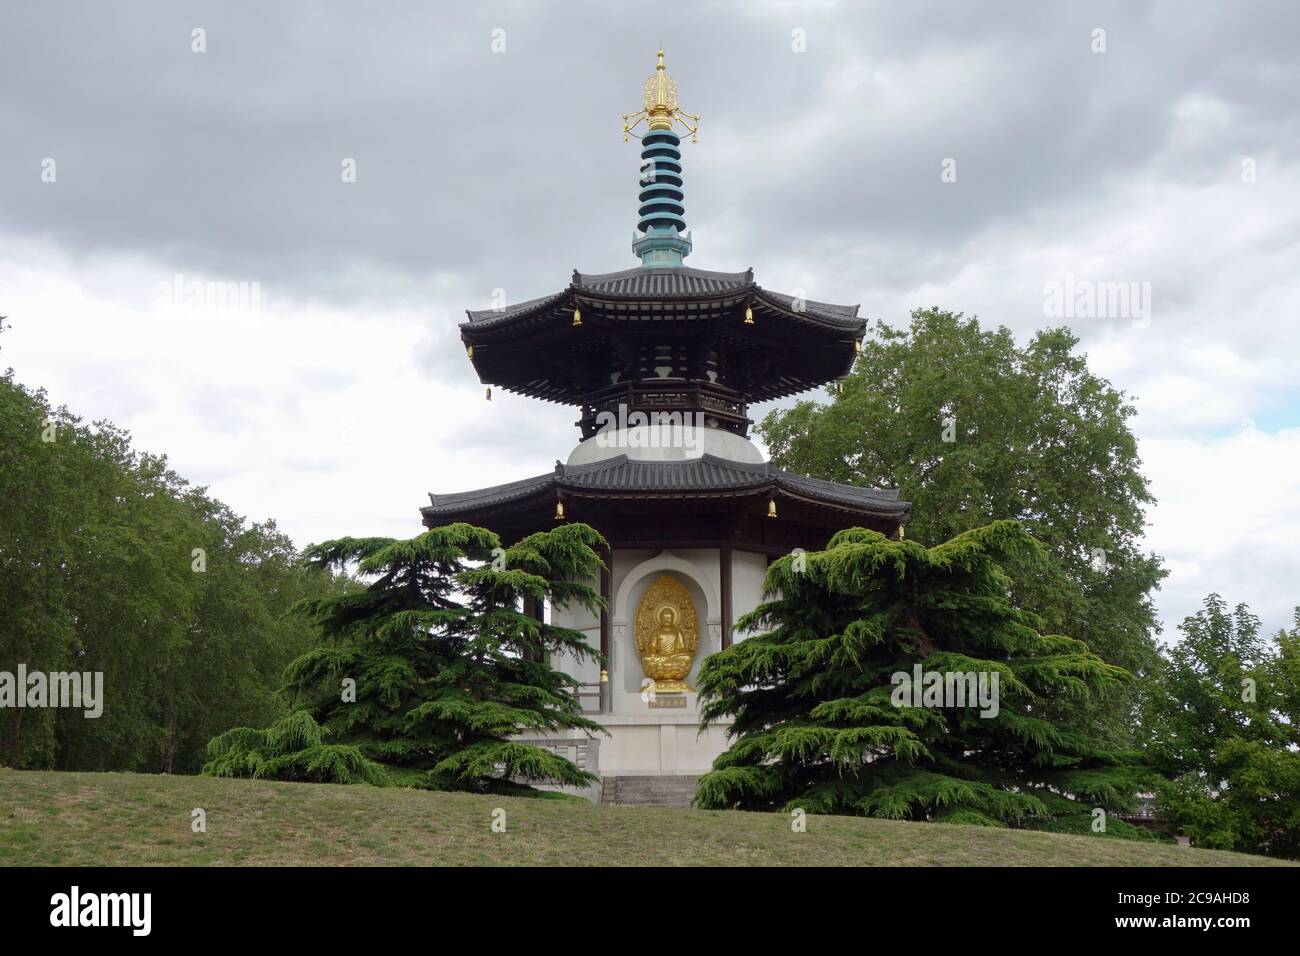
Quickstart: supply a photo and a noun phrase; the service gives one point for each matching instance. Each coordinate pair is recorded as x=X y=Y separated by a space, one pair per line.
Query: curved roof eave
x=682 y=284
x=707 y=475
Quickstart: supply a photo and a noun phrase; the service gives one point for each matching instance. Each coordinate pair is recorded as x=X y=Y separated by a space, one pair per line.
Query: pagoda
x=662 y=362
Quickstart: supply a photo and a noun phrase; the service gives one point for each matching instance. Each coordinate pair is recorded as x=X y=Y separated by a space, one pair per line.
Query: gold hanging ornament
x=771 y=507
x=559 y=510
x=749 y=316
x=488 y=394
x=577 y=317
x=469 y=352
x=901 y=533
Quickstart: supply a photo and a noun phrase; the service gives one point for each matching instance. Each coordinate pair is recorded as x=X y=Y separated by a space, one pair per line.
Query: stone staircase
x=648 y=791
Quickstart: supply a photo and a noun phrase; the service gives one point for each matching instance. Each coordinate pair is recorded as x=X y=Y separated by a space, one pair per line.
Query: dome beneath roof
x=661 y=443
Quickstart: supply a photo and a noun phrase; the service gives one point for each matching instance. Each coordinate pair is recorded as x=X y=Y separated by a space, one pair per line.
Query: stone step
x=648 y=791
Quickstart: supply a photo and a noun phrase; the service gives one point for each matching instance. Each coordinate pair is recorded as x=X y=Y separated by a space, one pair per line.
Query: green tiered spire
x=661 y=238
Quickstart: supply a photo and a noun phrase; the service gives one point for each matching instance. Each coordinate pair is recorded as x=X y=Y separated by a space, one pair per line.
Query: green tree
x=1034 y=436
x=293 y=748
x=97 y=563
x=434 y=667
x=240 y=634
x=821 y=720
x=36 y=624
x=1224 y=718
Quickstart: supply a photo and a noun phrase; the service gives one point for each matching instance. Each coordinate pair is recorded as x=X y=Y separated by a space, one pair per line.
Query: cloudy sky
x=486 y=143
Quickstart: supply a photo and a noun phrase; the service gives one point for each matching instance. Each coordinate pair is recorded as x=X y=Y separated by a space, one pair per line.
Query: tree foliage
x=293 y=748
x=1036 y=437
x=817 y=720
x=98 y=564
x=1225 y=727
x=434 y=668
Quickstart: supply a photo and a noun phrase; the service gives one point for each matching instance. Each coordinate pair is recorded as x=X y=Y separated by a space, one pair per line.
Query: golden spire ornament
x=660 y=108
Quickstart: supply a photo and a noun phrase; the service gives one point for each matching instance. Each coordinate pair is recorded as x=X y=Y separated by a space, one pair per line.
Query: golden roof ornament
x=660 y=108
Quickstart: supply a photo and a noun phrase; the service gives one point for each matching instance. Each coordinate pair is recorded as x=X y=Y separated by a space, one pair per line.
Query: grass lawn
x=80 y=819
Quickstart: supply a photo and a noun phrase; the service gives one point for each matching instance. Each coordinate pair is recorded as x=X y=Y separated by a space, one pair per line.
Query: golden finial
x=749 y=316
x=577 y=316
x=771 y=507
x=559 y=510
x=660 y=108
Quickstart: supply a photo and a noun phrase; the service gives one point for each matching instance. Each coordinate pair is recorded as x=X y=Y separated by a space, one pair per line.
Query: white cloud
x=318 y=417
x=1228 y=520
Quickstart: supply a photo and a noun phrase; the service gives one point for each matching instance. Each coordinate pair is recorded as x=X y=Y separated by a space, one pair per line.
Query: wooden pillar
x=724 y=575
x=606 y=584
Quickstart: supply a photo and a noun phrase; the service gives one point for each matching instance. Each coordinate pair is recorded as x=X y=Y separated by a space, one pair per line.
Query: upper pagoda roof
x=678 y=284
x=725 y=329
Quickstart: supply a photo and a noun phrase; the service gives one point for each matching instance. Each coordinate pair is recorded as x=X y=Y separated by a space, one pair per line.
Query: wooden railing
x=728 y=407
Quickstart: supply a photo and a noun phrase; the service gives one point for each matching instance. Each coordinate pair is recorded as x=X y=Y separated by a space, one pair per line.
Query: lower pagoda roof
x=704 y=479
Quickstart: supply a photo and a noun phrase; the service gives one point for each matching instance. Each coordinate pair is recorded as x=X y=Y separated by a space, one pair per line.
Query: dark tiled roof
x=641 y=282
x=700 y=475
x=825 y=310
x=486 y=318
x=681 y=282
x=487 y=497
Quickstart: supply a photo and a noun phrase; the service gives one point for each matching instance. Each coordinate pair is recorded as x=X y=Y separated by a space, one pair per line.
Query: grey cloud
x=506 y=170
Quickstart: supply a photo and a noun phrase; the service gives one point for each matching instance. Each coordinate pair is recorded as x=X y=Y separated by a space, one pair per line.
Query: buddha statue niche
x=667 y=635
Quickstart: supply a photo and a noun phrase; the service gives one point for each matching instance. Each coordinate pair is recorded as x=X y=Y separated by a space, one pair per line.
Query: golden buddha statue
x=667 y=635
